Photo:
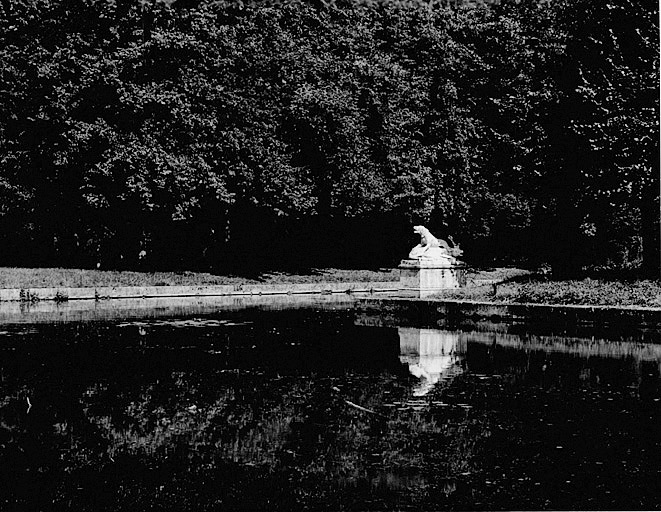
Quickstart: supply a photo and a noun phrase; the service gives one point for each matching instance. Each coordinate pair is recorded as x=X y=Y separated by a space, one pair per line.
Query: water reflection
x=258 y=410
x=437 y=355
x=159 y=307
x=431 y=355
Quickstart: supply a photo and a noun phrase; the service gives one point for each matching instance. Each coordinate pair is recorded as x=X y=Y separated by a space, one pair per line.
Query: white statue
x=431 y=248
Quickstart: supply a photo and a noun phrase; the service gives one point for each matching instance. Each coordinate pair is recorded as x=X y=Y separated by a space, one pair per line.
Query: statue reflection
x=432 y=355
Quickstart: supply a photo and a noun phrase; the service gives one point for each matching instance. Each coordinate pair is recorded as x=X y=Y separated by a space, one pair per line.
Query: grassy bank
x=76 y=278
x=538 y=290
x=495 y=285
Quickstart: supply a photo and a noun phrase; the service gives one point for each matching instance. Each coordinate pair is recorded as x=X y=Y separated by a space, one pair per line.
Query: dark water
x=309 y=409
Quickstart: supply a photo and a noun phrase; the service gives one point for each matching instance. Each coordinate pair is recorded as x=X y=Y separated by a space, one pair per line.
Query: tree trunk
x=147 y=21
x=650 y=211
x=564 y=245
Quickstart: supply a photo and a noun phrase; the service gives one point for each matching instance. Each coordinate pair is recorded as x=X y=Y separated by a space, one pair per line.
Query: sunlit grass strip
x=79 y=278
x=583 y=292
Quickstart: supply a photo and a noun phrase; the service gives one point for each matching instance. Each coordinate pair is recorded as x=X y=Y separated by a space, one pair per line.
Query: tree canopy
x=223 y=134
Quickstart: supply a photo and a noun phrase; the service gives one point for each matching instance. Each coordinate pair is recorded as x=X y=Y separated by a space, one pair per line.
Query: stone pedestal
x=419 y=278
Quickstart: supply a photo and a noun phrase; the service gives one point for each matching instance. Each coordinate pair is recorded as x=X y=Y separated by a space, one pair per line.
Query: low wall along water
x=63 y=294
x=378 y=300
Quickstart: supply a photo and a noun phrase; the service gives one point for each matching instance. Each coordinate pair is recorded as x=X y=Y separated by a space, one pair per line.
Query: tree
x=612 y=94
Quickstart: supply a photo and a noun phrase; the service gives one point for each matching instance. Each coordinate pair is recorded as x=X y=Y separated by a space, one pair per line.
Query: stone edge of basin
x=129 y=292
x=439 y=309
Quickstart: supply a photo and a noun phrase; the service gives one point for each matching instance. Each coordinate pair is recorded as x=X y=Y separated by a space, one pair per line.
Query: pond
x=317 y=408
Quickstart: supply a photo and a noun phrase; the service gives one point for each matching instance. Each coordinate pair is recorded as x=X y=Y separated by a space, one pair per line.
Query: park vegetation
x=81 y=278
x=536 y=289
x=215 y=135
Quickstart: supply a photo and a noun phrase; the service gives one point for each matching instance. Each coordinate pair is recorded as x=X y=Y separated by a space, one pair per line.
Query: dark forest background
x=261 y=135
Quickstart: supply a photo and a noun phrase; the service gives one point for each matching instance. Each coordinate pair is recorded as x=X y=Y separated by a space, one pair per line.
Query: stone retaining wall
x=433 y=312
x=128 y=292
x=386 y=308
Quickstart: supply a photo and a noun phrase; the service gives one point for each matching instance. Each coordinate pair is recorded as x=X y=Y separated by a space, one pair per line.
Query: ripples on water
x=318 y=409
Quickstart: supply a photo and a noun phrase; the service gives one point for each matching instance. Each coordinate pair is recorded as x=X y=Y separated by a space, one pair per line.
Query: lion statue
x=432 y=248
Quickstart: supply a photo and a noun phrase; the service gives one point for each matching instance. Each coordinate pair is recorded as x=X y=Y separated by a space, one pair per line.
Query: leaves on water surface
x=184 y=323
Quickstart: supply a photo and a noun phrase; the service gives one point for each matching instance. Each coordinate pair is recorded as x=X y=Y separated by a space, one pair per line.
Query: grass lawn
x=513 y=285
x=75 y=278
x=540 y=290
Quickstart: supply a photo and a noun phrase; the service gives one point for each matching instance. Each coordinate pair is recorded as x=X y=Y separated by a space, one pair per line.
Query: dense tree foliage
x=211 y=134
